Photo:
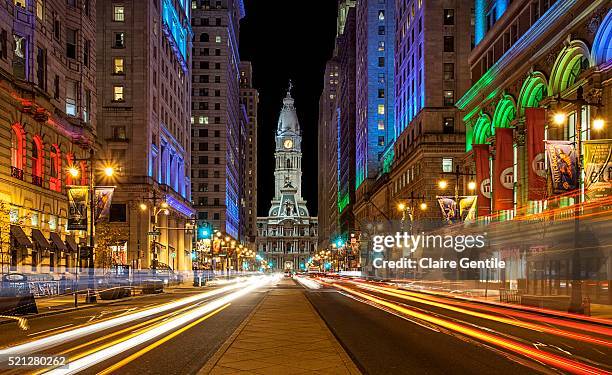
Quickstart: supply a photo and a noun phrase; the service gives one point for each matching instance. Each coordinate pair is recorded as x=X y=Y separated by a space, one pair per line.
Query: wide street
x=383 y=329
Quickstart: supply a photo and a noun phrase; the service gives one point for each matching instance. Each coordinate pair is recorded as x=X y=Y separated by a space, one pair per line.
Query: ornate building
x=287 y=236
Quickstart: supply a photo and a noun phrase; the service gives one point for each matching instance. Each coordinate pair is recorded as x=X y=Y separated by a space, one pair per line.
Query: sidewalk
x=284 y=335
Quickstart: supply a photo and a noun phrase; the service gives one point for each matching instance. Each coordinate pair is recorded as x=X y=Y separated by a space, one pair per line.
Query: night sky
x=286 y=42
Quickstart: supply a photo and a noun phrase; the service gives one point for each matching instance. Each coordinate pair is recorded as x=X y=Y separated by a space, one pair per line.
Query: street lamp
x=472 y=186
x=442 y=184
x=559 y=118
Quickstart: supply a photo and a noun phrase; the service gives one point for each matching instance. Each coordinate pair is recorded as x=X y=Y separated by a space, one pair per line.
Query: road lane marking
x=49 y=330
x=147 y=349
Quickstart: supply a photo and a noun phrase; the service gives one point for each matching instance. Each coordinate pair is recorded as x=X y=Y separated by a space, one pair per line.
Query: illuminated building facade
x=249 y=97
x=144 y=86
x=48 y=119
x=287 y=237
x=375 y=90
x=528 y=54
x=216 y=115
x=328 y=156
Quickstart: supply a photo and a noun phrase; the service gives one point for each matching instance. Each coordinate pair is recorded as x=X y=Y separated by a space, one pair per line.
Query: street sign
x=154 y=233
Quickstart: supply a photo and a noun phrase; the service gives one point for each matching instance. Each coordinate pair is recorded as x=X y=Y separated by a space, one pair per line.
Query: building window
x=448 y=125
x=449 y=71
x=449 y=44
x=86 y=52
x=449 y=98
x=381 y=15
x=20 y=54
x=381 y=62
x=117 y=213
x=20 y=3
x=449 y=17
x=381 y=124
x=381 y=93
x=71 y=98
x=87 y=105
x=118 y=93
x=218 y=39
x=41 y=68
x=119 y=133
x=118 y=13
x=381 y=109
x=37 y=160
x=381 y=45
x=118 y=63
x=203 y=120
x=40 y=9
x=119 y=40
x=71 y=40
x=447 y=165
x=381 y=140
x=381 y=30
x=55 y=182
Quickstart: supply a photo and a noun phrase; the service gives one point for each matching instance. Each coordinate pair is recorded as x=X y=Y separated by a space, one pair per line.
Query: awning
x=20 y=237
x=39 y=239
x=71 y=243
x=56 y=240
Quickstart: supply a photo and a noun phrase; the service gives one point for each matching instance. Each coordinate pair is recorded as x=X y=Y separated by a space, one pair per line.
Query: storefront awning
x=39 y=239
x=71 y=243
x=20 y=237
x=56 y=240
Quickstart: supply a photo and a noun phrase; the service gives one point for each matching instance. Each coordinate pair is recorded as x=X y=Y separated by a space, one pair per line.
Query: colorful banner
x=102 y=200
x=563 y=166
x=483 y=178
x=534 y=121
x=503 y=180
x=598 y=168
x=467 y=208
x=77 y=207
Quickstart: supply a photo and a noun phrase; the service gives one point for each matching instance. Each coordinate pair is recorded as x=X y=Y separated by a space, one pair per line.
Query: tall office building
x=143 y=90
x=249 y=97
x=216 y=114
x=48 y=121
x=375 y=91
x=328 y=156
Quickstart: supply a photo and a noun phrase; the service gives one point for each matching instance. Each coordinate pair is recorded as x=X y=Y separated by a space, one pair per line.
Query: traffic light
x=203 y=232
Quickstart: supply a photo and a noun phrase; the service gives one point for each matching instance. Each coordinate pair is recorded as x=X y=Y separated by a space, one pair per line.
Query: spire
x=288 y=120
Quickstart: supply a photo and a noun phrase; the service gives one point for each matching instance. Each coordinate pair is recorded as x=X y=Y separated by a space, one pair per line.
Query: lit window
x=381 y=45
x=203 y=120
x=118 y=93
x=118 y=13
x=449 y=97
x=381 y=15
x=71 y=95
x=20 y=3
x=218 y=39
x=192 y=120
x=40 y=9
x=194 y=5
x=118 y=65
x=381 y=109
x=381 y=125
x=447 y=164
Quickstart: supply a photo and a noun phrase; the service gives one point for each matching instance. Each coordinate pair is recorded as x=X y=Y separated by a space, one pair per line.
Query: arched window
x=55 y=157
x=38 y=157
x=204 y=37
x=17 y=148
x=288 y=164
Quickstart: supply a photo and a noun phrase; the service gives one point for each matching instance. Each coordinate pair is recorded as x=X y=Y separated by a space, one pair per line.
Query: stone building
x=249 y=97
x=216 y=114
x=528 y=55
x=47 y=123
x=287 y=237
x=144 y=105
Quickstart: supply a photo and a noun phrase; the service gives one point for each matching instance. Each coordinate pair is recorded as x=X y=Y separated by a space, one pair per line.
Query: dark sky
x=288 y=41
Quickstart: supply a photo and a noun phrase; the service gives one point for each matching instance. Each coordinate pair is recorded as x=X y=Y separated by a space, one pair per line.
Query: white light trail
x=310 y=284
x=94 y=358
x=54 y=340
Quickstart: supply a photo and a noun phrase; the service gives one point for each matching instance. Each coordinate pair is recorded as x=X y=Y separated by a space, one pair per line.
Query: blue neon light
x=179 y=206
x=178 y=32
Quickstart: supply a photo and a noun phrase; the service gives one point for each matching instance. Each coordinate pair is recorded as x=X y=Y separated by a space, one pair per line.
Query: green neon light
x=343 y=202
x=532 y=92
x=504 y=113
x=388 y=159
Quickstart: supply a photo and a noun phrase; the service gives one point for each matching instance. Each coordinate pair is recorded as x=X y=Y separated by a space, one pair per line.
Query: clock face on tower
x=288 y=143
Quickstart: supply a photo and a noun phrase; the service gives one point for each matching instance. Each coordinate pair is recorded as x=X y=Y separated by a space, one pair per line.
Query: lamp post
x=162 y=208
x=109 y=171
x=560 y=118
x=443 y=184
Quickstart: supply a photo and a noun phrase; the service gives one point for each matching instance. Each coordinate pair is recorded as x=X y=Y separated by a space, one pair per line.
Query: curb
x=212 y=361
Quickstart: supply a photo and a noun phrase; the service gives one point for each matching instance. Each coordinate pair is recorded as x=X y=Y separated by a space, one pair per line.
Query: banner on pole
x=503 y=181
x=77 y=207
x=483 y=178
x=598 y=168
x=563 y=166
x=535 y=119
x=102 y=201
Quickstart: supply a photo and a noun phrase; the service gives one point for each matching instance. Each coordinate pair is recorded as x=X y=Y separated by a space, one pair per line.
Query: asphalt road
x=181 y=350
x=385 y=341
